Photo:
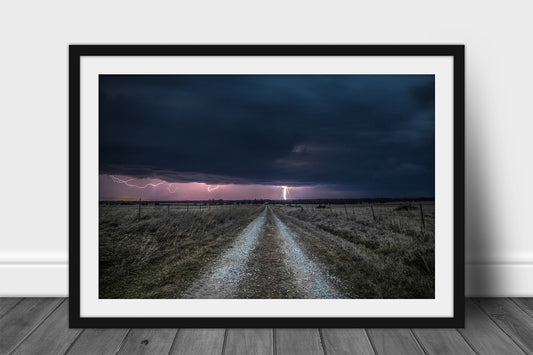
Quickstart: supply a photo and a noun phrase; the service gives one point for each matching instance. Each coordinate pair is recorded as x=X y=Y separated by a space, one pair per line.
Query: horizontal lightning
x=172 y=187
x=118 y=180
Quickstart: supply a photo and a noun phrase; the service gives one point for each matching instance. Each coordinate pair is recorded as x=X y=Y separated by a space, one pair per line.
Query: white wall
x=34 y=102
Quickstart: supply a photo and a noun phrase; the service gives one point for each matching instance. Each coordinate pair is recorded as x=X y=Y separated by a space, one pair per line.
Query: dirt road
x=264 y=261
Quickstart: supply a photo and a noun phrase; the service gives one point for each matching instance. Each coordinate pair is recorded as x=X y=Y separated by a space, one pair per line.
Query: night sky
x=177 y=137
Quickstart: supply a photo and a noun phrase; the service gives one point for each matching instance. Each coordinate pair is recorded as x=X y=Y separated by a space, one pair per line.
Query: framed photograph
x=266 y=186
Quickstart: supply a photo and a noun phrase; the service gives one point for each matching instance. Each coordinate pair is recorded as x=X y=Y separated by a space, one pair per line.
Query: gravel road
x=311 y=279
x=223 y=278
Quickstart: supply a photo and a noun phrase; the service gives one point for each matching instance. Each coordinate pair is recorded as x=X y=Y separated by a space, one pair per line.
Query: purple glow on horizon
x=117 y=187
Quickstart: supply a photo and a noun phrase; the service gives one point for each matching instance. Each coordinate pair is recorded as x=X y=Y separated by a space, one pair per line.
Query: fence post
x=422 y=217
x=168 y=209
x=373 y=214
x=346 y=210
x=139 y=208
x=187 y=207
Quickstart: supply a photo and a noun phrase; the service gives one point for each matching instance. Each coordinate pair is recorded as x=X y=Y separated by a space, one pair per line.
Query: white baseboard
x=499 y=280
x=34 y=280
x=51 y=280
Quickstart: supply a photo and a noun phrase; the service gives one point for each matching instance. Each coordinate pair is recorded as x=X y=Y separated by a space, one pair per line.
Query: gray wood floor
x=40 y=326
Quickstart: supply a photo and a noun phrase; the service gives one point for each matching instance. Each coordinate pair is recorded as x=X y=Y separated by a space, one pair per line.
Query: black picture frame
x=76 y=52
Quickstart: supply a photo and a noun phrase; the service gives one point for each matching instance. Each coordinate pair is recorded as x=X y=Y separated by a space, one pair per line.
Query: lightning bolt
x=118 y=180
x=284 y=192
x=211 y=188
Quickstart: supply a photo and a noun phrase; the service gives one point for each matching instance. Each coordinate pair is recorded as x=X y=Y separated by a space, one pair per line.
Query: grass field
x=267 y=251
x=389 y=256
x=159 y=255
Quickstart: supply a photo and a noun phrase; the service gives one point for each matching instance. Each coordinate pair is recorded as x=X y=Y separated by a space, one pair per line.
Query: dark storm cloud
x=370 y=133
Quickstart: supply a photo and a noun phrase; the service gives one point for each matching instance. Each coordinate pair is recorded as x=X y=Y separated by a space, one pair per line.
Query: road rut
x=234 y=274
x=222 y=278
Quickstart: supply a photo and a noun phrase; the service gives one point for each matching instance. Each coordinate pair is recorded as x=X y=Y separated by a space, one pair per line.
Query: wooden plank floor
x=40 y=326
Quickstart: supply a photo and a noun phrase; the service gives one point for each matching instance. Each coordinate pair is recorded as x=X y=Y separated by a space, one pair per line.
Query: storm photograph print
x=266 y=186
